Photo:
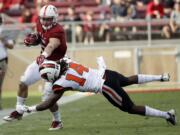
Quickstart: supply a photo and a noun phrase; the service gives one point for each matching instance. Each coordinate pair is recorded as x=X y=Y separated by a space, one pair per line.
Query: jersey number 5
x=79 y=69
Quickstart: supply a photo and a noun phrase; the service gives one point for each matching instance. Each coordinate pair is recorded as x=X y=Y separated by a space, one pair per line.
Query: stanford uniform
x=78 y=77
x=32 y=75
x=56 y=31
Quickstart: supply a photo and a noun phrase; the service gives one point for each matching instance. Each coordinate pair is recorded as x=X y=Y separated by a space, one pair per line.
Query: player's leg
x=3 y=68
x=56 y=120
x=31 y=75
x=143 y=78
x=140 y=78
x=125 y=104
x=169 y=116
x=119 y=98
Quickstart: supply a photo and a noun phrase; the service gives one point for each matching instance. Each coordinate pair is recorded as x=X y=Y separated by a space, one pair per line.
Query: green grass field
x=95 y=116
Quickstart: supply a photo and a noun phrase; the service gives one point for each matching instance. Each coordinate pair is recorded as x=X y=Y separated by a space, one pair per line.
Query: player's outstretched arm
x=44 y=105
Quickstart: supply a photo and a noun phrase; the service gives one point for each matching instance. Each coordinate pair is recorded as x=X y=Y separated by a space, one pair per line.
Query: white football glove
x=29 y=109
x=101 y=65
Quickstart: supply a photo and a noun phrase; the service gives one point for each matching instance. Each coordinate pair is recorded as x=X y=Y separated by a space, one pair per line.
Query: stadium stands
x=102 y=12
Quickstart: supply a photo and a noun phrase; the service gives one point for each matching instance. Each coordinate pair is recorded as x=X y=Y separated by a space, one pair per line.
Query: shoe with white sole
x=13 y=116
x=165 y=77
x=56 y=125
x=172 y=117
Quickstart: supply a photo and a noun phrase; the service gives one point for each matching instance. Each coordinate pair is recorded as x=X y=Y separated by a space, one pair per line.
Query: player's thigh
x=113 y=91
x=31 y=74
x=114 y=77
x=118 y=97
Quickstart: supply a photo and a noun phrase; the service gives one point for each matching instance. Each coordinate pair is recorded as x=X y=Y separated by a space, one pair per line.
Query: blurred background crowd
x=122 y=13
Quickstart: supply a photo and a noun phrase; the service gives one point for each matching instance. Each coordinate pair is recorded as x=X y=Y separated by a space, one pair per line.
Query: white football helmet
x=48 y=16
x=50 y=70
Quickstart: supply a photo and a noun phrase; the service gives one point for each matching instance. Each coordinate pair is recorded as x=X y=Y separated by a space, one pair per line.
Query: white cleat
x=56 y=125
x=172 y=117
x=165 y=77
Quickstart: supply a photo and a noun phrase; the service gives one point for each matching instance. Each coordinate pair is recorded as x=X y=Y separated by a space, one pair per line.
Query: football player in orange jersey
x=73 y=76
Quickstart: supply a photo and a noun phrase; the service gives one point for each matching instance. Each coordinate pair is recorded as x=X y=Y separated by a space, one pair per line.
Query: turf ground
x=95 y=116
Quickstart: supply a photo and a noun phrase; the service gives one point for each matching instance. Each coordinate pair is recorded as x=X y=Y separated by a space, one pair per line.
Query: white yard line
x=63 y=100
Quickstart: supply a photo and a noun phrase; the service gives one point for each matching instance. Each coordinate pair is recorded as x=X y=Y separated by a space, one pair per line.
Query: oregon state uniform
x=77 y=77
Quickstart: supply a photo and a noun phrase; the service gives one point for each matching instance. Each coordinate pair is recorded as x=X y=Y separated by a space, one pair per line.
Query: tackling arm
x=44 y=105
x=50 y=102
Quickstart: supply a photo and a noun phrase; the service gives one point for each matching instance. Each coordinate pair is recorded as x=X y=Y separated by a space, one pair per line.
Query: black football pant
x=114 y=93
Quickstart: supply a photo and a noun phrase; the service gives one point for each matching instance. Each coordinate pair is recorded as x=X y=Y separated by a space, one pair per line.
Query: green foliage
x=95 y=116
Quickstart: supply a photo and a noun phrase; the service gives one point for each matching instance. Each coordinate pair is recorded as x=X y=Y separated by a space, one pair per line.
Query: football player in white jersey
x=73 y=76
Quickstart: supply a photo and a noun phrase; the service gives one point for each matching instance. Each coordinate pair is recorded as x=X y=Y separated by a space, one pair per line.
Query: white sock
x=155 y=113
x=142 y=78
x=20 y=100
x=56 y=116
x=19 y=103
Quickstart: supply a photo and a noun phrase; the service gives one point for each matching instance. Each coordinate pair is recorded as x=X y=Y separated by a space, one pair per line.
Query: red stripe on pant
x=112 y=94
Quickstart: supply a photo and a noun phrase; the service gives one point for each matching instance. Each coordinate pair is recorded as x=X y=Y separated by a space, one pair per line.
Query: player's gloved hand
x=101 y=65
x=29 y=109
x=32 y=39
x=40 y=59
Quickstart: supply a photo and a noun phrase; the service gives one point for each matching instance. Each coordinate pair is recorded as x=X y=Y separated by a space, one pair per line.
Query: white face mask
x=47 y=23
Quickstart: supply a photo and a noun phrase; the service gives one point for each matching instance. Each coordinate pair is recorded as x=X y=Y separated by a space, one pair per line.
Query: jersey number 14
x=79 y=69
